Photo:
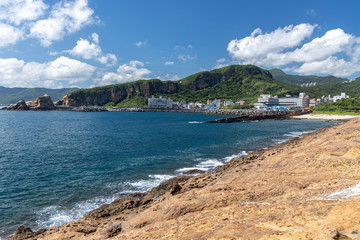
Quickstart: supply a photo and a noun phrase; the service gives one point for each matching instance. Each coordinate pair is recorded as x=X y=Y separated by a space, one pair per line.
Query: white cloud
x=167 y=63
x=141 y=43
x=169 y=77
x=18 y=11
x=184 y=54
x=21 y=19
x=65 y=18
x=125 y=73
x=92 y=50
x=276 y=49
x=54 y=74
x=9 y=35
x=186 y=57
x=257 y=46
x=331 y=65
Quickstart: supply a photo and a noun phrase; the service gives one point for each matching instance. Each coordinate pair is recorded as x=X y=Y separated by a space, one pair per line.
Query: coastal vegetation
x=343 y=106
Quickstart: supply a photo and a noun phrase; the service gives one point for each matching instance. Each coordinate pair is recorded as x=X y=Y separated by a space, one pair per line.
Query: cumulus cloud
x=332 y=65
x=18 y=11
x=167 y=63
x=284 y=47
x=132 y=71
x=9 y=35
x=65 y=18
x=91 y=50
x=253 y=48
x=61 y=72
x=23 y=19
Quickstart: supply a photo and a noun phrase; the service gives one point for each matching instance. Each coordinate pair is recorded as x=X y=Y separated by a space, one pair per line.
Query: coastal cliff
x=305 y=188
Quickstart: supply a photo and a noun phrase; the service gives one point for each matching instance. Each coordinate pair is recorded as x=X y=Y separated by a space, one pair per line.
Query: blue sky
x=86 y=43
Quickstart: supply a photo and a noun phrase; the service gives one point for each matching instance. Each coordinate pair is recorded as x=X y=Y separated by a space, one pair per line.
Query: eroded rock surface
x=19 y=106
x=43 y=103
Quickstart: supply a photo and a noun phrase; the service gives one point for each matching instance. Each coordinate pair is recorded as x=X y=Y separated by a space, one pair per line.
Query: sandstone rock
x=43 y=103
x=194 y=171
x=114 y=230
x=20 y=106
x=59 y=103
x=25 y=233
x=340 y=236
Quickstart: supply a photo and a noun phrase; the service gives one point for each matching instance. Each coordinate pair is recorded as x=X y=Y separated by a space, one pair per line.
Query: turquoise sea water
x=57 y=166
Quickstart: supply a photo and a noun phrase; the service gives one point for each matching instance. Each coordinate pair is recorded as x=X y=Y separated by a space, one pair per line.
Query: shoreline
x=174 y=182
x=192 y=171
x=329 y=117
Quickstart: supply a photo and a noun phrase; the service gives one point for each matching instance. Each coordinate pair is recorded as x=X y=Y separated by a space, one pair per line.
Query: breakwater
x=229 y=112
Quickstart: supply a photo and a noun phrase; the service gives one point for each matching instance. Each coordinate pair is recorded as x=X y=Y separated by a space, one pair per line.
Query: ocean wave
x=144 y=185
x=289 y=135
x=207 y=164
x=193 y=122
x=57 y=215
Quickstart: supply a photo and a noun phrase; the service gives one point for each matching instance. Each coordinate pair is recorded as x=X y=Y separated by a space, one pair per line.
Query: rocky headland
x=305 y=188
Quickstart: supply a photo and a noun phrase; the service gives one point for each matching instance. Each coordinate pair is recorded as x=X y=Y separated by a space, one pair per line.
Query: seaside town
x=265 y=102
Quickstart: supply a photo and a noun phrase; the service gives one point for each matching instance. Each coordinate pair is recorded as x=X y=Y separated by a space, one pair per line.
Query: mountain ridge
x=12 y=95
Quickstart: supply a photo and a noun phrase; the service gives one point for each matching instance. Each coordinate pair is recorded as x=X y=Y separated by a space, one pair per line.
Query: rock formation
x=306 y=188
x=19 y=106
x=43 y=103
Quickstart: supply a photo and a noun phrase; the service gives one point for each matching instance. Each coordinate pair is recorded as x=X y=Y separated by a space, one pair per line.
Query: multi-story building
x=266 y=101
x=302 y=101
x=159 y=102
x=342 y=96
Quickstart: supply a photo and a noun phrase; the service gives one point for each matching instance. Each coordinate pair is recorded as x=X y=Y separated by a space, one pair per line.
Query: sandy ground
x=305 y=188
x=325 y=116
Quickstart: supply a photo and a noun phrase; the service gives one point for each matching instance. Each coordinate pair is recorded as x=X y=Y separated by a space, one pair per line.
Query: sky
x=88 y=43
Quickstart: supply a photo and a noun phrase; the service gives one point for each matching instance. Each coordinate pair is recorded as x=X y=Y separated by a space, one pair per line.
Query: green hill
x=233 y=82
x=12 y=95
x=295 y=79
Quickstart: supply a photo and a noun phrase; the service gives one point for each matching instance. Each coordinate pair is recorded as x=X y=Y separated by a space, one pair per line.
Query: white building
x=302 y=101
x=342 y=96
x=159 y=102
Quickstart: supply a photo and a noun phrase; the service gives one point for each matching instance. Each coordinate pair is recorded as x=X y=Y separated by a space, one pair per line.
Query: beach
x=331 y=117
x=305 y=188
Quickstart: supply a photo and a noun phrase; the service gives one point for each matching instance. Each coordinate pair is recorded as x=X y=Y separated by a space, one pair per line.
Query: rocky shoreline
x=293 y=190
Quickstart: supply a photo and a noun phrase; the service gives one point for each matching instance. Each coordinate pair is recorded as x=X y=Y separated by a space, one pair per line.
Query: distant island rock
x=20 y=106
x=43 y=103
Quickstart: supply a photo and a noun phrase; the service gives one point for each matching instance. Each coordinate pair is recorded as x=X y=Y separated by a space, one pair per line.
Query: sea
x=56 y=166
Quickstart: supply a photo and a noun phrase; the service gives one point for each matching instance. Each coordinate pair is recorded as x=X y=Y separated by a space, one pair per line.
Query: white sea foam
x=290 y=135
x=147 y=184
x=206 y=164
x=242 y=153
x=192 y=122
x=57 y=215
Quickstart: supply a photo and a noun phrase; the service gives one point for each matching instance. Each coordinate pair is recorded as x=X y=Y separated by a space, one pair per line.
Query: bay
x=57 y=166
